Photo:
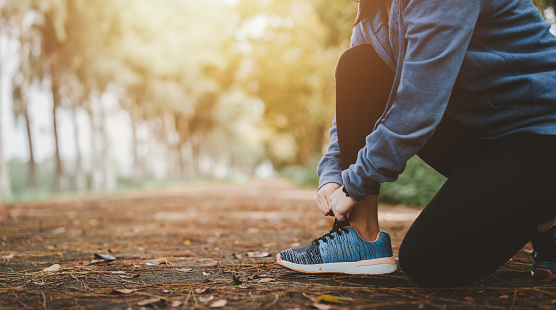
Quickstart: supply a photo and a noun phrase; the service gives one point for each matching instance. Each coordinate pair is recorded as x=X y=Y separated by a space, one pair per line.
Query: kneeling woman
x=470 y=87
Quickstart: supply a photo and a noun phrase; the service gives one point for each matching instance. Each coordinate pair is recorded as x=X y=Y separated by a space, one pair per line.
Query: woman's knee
x=431 y=265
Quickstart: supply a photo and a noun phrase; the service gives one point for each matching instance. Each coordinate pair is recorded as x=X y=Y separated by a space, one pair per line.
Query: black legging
x=497 y=191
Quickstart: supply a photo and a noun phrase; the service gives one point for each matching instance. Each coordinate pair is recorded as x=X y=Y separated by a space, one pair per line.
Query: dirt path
x=212 y=246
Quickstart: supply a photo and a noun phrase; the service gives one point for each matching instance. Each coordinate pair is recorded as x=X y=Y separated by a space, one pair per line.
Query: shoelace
x=339 y=224
x=336 y=231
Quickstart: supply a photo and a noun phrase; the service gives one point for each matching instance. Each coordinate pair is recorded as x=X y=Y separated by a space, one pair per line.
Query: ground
x=213 y=246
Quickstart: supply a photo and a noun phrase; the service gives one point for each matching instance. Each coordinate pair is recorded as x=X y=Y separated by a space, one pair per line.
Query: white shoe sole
x=371 y=266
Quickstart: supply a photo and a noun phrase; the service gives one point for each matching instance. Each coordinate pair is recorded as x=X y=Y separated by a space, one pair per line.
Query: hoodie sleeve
x=329 y=170
x=434 y=36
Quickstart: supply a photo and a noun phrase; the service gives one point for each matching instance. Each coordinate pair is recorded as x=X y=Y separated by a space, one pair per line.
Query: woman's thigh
x=487 y=210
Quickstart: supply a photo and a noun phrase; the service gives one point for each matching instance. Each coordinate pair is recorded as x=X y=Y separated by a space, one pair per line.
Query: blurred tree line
x=208 y=88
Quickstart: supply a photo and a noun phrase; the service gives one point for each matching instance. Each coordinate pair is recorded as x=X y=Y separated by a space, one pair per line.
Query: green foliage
x=417 y=185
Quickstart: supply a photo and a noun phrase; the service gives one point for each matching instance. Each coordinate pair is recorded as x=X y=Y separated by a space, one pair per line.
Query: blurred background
x=101 y=96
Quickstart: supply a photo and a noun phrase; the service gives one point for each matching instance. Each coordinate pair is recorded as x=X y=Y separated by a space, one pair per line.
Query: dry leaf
x=206 y=299
x=58 y=231
x=118 y=272
x=8 y=256
x=219 y=303
x=124 y=291
x=266 y=280
x=200 y=290
x=504 y=297
x=176 y=303
x=184 y=269
x=104 y=256
x=321 y=306
x=157 y=261
x=206 y=274
x=52 y=268
x=166 y=291
x=148 y=301
x=213 y=264
x=328 y=299
x=258 y=254
x=186 y=242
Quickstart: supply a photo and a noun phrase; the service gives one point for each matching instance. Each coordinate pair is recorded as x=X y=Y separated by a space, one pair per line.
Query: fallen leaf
x=58 y=231
x=52 y=268
x=186 y=242
x=258 y=254
x=105 y=256
x=213 y=264
x=200 y=290
x=176 y=303
x=124 y=291
x=148 y=301
x=321 y=306
x=219 y=303
x=166 y=291
x=118 y=272
x=157 y=261
x=328 y=299
x=206 y=299
x=266 y=280
x=8 y=256
x=206 y=274
x=504 y=297
x=236 y=279
x=184 y=269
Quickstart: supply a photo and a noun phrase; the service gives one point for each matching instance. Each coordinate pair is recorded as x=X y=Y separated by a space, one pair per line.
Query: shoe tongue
x=339 y=224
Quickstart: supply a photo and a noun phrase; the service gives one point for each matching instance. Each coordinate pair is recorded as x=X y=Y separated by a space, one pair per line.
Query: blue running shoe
x=543 y=268
x=341 y=251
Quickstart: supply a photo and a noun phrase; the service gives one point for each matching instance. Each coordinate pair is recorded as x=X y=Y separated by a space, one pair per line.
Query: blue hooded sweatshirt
x=490 y=64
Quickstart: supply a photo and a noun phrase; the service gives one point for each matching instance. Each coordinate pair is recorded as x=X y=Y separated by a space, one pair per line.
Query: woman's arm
x=437 y=34
x=329 y=169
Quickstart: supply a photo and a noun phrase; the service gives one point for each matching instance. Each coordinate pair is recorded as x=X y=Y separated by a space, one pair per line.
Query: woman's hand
x=341 y=204
x=323 y=196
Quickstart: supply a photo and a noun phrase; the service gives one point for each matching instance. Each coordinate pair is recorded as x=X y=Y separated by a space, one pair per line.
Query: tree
x=292 y=61
x=25 y=20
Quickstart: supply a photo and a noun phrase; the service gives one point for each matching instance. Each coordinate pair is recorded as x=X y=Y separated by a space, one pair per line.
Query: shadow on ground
x=213 y=246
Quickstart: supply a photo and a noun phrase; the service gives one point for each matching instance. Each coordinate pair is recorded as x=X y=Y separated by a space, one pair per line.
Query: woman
x=469 y=86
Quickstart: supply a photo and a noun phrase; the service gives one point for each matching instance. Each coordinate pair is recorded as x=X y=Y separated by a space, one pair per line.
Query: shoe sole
x=372 y=266
x=543 y=274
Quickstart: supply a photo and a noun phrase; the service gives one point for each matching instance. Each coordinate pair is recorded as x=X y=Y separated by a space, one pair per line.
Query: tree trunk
x=80 y=182
x=24 y=89
x=96 y=173
x=136 y=167
x=5 y=185
x=108 y=171
x=54 y=75
x=181 y=129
